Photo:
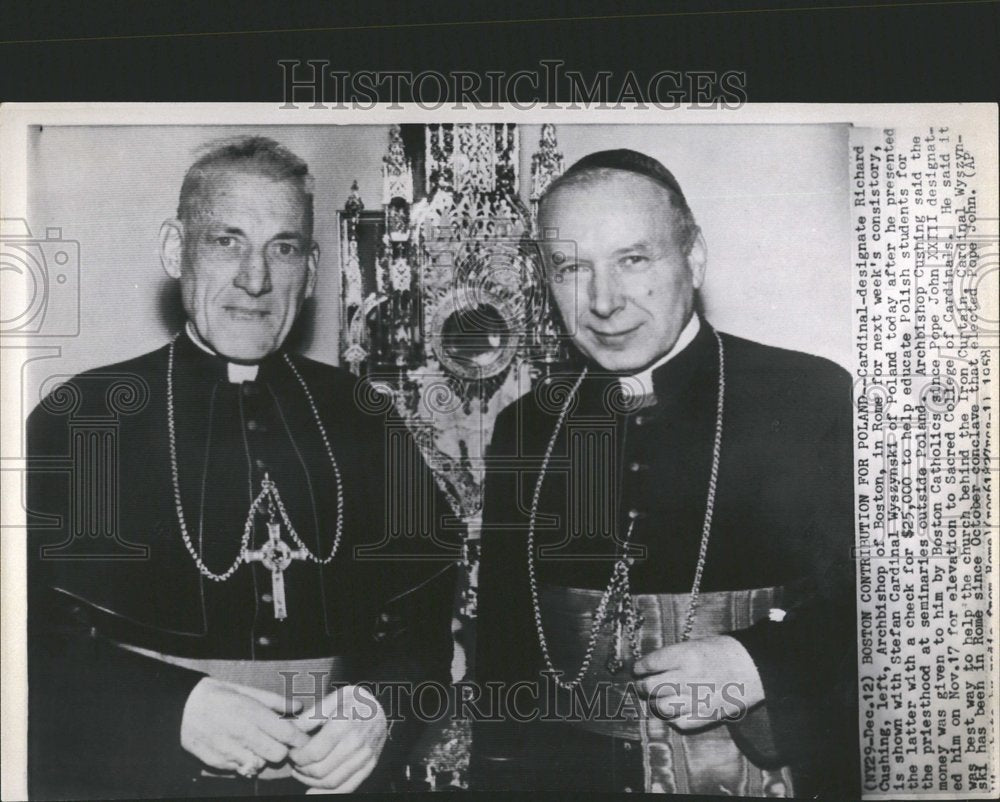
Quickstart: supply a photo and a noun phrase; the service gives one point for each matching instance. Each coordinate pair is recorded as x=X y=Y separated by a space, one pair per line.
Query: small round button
x=640 y=420
x=263 y=640
x=627 y=746
x=635 y=467
x=634 y=513
x=267 y=598
x=252 y=425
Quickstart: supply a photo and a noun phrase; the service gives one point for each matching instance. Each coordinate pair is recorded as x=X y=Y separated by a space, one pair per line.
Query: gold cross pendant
x=276 y=555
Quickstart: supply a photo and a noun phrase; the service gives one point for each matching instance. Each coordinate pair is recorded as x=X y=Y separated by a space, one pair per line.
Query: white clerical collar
x=237 y=373
x=642 y=383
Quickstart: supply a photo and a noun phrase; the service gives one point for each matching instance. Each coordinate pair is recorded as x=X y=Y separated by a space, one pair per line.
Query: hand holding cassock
x=698 y=682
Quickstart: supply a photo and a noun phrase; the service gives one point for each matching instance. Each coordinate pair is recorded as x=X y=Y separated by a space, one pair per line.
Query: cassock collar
x=698 y=362
x=694 y=366
x=235 y=372
x=192 y=348
x=642 y=382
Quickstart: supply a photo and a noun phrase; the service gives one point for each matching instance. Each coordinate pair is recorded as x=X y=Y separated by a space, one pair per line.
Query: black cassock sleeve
x=413 y=646
x=102 y=721
x=105 y=722
x=411 y=641
x=505 y=651
x=808 y=661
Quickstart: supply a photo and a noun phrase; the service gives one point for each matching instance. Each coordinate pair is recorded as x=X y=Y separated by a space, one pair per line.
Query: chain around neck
x=619 y=582
x=248 y=528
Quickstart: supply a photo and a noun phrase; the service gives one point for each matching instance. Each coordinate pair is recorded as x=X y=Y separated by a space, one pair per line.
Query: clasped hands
x=698 y=682
x=332 y=747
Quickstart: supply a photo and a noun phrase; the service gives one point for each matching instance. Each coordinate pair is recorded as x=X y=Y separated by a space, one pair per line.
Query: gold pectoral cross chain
x=276 y=555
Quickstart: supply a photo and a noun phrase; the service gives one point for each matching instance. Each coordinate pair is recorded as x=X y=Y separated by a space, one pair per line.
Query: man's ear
x=697 y=260
x=312 y=262
x=172 y=247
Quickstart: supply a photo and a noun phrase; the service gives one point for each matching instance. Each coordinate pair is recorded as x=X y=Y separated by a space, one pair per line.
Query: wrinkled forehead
x=221 y=193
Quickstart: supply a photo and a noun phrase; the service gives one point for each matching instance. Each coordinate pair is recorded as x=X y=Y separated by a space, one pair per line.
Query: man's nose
x=606 y=295
x=254 y=276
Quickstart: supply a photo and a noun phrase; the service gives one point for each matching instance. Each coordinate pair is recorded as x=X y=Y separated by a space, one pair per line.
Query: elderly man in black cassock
x=230 y=641
x=666 y=586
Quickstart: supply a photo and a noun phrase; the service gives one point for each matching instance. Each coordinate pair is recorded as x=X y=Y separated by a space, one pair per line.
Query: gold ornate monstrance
x=444 y=306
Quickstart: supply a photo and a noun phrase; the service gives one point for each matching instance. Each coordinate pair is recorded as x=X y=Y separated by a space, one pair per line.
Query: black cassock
x=781 y=540
x=121 y=623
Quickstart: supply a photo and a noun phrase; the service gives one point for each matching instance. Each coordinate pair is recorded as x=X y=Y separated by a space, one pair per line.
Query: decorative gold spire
x=397 y=175
x=546 y=166
x=354 y=205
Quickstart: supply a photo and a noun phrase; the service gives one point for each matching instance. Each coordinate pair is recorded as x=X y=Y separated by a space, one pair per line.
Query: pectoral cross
x=276 y=555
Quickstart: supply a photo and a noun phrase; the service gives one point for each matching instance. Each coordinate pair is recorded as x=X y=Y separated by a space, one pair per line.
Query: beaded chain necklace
x=619 y=587
x=269 y=491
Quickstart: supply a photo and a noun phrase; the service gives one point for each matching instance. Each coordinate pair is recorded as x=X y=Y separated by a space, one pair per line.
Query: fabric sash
x=704 y=762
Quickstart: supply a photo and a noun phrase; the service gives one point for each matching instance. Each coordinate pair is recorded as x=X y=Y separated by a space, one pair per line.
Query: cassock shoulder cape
x=107 y=564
